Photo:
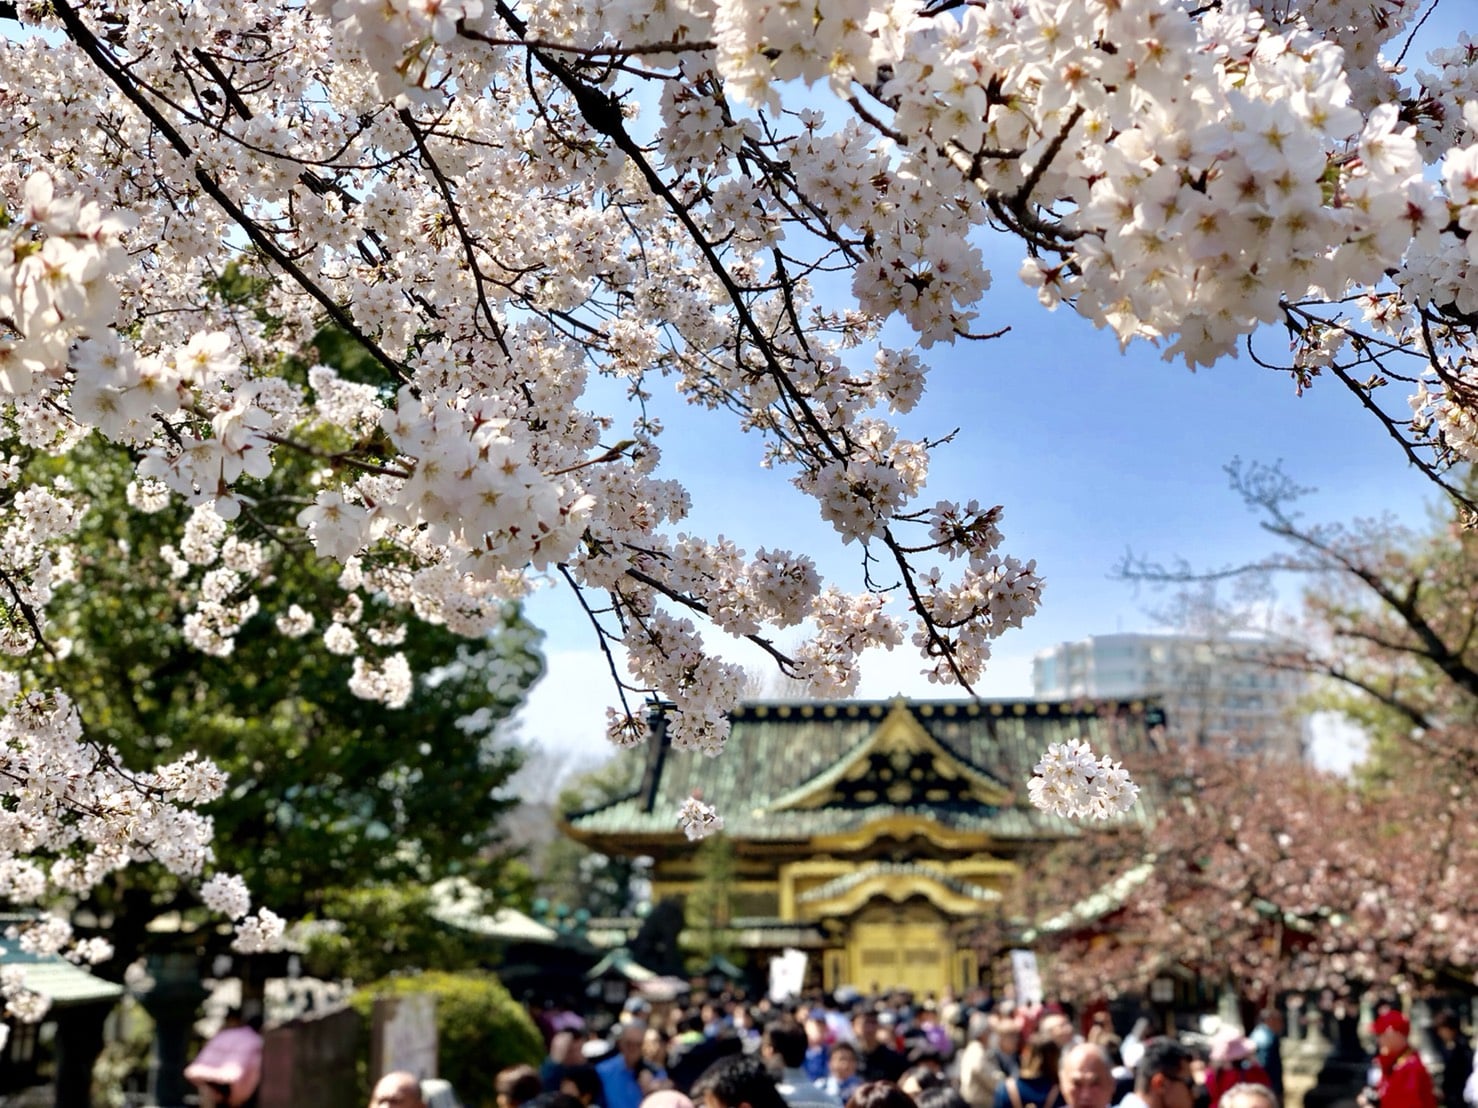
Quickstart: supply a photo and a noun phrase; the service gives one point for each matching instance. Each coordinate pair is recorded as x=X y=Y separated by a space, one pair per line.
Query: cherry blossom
x=1069 y=781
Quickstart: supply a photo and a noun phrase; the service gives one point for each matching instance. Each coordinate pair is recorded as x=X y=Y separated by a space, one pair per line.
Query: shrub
x=480 y=1028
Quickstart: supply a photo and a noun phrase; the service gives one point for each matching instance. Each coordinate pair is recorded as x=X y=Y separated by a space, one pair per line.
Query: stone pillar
x=79 y=1041
x=173 y=1003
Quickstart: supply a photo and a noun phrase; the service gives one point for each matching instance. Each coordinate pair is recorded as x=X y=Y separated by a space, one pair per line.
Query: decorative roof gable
x=899 y=764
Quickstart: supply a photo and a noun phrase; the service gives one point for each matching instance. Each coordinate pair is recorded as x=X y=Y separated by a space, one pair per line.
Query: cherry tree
x=1281 y=877
x=501 y=204
x=1278 y=877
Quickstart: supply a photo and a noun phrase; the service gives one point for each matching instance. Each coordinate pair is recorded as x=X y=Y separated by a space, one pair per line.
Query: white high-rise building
x=1225 y=692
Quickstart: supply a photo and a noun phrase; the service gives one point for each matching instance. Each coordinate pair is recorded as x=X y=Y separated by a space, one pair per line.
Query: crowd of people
x=848 y=1052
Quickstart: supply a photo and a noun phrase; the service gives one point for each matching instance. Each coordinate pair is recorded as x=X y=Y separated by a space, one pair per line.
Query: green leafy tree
x=327 y=791
x=373 y=932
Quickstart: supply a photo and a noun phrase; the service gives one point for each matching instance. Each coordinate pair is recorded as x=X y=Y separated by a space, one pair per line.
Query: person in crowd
x=989 y=1057
x=625 y=1077
x=228 y=1068
x=1132 y=1048
x=715 y=1019
x=564 y=1052
x=1233 y=1062
x=1086 y=1077
x=1404 y=1080
x=878 y=1061
x=916 y=1079
x=1101 y=1030
x=397 y=1090
x=935 y=1033
x=842 y=1078
x=691 y=1064
x=1248 y=1095
x=1036 y=1084
x=880 y=1094
x=818 y=1047
x=746 y=1027
x=738 y=1081
x=1457 y=1058
x=687 y=1031
x=1059 y=1028
x=783 y=1050
x=1164 y=1077
x=516 y=1086
x=1006 y=1045
x=583 y=1083
x=1267 y=1038
x=952 y=1015
x=654 y=1048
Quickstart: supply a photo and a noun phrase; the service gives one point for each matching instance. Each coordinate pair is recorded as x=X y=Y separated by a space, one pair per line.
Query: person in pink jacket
x=228 y=1068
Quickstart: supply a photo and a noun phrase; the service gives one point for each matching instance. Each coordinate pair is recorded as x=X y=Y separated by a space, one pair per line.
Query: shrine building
x=878 y=836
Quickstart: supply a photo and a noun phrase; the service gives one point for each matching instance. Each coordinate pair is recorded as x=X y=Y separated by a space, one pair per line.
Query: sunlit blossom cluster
x=1072 y=782
x=699 y=820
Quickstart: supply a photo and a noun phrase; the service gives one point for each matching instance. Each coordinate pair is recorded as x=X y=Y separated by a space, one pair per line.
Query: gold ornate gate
x=901 y=945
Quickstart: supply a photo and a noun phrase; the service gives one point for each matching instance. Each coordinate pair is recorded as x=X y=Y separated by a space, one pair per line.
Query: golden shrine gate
x=873 y=835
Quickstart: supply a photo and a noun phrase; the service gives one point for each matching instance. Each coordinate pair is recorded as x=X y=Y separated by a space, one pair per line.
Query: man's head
x=1248 y=1095
x=582 y=1083
x=865 y=1027
x=978 y=1026
x=1391 y=1030
x=564 y=1049
x=517 y=1085
x=1058 y=1028
x=843 y=1061
x=1163 y=1078
x=1447 y=1026
x=397 y=1090
x=785 y=1043
x=654 y=1047
x=629 y=1042
x=738 y=1081
x=1086 y=1077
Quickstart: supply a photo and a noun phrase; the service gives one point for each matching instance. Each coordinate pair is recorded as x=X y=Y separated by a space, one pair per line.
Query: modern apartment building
x=1223 y=692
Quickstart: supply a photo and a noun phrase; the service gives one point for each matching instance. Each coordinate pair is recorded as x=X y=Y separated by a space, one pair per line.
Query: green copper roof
x=57 y=979
x=777 y=748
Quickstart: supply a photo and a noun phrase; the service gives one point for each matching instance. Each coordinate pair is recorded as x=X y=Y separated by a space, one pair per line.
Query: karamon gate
x=880 y=837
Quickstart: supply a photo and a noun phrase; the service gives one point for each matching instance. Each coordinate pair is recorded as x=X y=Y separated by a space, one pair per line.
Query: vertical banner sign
x=1028 y=979
x=787 y=975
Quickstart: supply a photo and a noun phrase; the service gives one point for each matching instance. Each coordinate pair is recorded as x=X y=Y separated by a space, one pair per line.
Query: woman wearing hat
x=1234 y=1062
x=1404 y=1081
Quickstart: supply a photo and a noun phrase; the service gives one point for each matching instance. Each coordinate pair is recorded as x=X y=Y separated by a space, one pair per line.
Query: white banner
x=787 y=975
x=1028 y=978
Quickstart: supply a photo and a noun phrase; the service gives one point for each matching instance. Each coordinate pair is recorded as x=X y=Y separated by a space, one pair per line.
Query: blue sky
x=1090 y=452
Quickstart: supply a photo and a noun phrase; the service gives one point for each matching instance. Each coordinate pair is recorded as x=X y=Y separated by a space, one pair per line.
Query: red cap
x=1391 y=1021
